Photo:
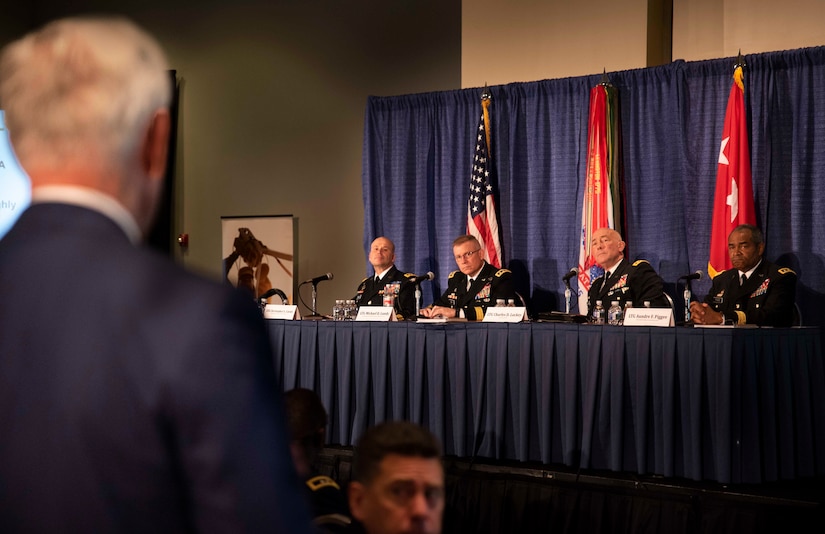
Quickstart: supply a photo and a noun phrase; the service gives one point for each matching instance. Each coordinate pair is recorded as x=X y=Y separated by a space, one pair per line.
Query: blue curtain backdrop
x=418 y=153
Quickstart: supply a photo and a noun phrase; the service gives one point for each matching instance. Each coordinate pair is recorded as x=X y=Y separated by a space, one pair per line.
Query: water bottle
x=598 y=313
x=350 y=310
x=647 y=304
x=511 y=303
x=499 y=303
x=338 y=310
x=614 y=313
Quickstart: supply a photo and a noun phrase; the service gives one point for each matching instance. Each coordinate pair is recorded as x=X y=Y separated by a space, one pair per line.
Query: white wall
x=528 y=40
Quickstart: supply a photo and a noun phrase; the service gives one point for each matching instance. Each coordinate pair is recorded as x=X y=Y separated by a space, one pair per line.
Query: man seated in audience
x=474 y=287
x=371 y=290
x=755 y=291
x=622 y=281
x=307 y=422
x=398 y=480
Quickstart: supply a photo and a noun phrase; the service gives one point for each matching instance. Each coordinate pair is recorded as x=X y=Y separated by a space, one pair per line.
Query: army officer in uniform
x=755 y=291
x=474 y=287
x=371 y=290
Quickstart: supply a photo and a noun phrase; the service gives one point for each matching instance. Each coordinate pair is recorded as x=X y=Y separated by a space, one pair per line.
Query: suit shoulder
x=640 y=262
x=452 y=274
x=409 y=276
x=502 y=272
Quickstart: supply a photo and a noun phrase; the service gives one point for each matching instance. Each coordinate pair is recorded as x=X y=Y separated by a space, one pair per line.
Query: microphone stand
x=567 y=293
x=417 y=299
x=686 y=295
x=314 y=314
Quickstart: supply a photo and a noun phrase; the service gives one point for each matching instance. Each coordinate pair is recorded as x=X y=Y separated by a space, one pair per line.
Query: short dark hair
x=391 y=437
x=756 y=234
x=460 y=240
x=306 y=417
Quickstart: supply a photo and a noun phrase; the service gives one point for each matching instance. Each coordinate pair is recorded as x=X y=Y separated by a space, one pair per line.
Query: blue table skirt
x=728 y=405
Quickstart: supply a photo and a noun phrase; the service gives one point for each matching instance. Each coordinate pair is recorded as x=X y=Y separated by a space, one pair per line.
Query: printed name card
x=376 y=313
x=288 y=312
x=505 y=315
x=649 y=317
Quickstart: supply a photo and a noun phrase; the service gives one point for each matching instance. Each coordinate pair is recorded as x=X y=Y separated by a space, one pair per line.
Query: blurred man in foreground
x=371 y=289
x=755 y=291
x=474 y=287
x=622 y=281
x=136 y=396
x=398 y=481
x=307 y=422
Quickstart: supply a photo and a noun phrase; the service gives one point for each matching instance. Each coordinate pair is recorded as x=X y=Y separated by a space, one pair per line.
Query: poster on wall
x=15 y=187
x=258 y=255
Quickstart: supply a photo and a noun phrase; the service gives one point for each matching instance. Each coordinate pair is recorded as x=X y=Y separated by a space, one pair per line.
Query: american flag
x=481 y=207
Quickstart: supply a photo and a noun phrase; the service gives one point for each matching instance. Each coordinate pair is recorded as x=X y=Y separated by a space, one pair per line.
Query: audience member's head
x=306 y=421
x=398 y=480
x=86 y=102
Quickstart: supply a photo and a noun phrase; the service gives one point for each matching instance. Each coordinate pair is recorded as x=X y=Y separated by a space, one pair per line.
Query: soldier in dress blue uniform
x=765 y=296
x=371 y=290
x=474 y=287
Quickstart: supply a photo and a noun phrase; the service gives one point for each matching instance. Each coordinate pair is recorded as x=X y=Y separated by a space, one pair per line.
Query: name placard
x=376 y=313
x=649 y=317
x=505 y=315
x=282 y=311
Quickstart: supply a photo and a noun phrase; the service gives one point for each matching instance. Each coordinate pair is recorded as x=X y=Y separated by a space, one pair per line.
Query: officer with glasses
x=474 y=287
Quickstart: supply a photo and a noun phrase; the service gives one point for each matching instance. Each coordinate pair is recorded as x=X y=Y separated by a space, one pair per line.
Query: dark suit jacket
x=371 y=294
x=134 y=396
x=766 y=299
x=490 y=285
x=631 y=281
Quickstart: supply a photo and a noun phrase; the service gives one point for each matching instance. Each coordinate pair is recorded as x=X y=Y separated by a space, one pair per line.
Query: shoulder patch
x=365 y=279
x=409 y=275
x=502 y=272
x=453 y=274
x=321 y=481
x=785 y=270
x=639 y=262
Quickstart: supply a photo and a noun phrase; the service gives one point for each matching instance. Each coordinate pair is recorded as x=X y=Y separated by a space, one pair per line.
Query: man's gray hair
x=78 y=83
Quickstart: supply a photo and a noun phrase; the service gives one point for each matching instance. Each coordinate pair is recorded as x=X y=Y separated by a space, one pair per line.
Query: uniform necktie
x=606 y=276
x=743 y=280
x=469 y=283
x=377 y=279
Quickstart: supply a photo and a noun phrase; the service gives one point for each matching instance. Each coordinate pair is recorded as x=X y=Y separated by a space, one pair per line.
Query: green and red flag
x=602 y=203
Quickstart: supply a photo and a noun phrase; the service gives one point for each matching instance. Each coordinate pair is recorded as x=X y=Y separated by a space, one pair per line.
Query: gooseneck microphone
x=275 y=291
x=570 y=274
x=693 y=276
x=422 y=278
x=317 y=279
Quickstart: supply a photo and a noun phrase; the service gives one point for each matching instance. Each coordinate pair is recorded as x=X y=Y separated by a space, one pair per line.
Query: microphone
x=422 y=278
x=317 y=279
x=693 y=276
x=570 y=274
x=275 y=291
